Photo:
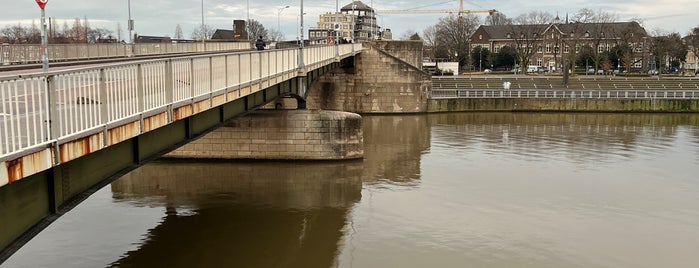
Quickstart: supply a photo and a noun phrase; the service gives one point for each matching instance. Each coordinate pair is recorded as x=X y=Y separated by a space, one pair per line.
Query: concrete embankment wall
x=562 y=105
x=385 y=78
x=282 y=134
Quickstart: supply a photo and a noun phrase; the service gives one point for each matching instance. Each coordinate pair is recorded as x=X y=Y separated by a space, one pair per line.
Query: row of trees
x=255 y=29
x=450 y=40
x=79 y=32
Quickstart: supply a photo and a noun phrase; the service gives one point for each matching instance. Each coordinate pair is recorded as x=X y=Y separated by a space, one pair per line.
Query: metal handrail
x=565 y=94
x=45 y=109
x=31 y=53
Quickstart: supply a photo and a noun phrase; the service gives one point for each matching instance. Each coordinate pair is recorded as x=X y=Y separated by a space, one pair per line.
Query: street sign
x=42 y=3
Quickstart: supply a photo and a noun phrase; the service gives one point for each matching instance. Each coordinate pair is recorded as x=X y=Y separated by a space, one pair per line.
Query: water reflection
x=393 y=146
x=444 y=190
x=582 y=138
x=241 y=214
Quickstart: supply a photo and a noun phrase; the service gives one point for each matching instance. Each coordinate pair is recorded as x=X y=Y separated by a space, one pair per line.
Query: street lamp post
x=203 y=32
x=279 y=28
x=130 y=25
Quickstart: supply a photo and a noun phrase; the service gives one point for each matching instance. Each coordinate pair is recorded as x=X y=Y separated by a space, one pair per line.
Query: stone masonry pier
x=282 y=134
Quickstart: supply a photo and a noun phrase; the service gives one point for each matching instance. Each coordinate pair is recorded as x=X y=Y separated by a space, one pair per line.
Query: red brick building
x=546 y=45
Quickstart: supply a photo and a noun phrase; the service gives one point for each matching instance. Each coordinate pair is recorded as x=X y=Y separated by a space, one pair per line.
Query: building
x=237 y=34
x=691 y=65
x=546 y=45
x=355 y=22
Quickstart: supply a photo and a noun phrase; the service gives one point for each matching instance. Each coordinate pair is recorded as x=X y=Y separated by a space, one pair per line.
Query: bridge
x=67 y=133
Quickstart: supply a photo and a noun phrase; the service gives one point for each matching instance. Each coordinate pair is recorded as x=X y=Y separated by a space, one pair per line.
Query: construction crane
x=460 y=11
x=464 y=11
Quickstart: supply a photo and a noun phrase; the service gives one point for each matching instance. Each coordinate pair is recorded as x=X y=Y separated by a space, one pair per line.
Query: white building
x=355 y=22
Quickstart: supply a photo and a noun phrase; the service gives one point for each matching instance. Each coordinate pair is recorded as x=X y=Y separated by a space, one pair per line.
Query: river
x=438 y=190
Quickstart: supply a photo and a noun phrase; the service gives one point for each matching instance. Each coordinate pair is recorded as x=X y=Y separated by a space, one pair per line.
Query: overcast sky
x=160 y=17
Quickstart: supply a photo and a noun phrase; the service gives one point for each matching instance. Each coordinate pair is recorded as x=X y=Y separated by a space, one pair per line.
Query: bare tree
x=256 y=29
x=630 y=44
x=497 y=18
x=275 y=35
x=94 y=35
x=452 y=37
x=33 y=34
x=14 y=34
x=202 y=32
x=178 y=32
x=429 y=35
x=526 y=33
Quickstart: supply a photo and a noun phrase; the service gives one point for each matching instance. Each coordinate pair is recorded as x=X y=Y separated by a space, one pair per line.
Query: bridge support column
x=282 y=134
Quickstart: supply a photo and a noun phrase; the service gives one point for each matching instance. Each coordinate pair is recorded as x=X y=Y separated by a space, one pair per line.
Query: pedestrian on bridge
x=260 y=44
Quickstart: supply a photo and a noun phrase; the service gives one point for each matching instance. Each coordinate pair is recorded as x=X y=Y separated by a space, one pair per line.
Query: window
x=539 y=62
x=555 y=49
x=480 y=36
x=587 y=34
x=538 y=49
x=600 y=48
x=509 y=35
x=548 y=48
x=566 y=49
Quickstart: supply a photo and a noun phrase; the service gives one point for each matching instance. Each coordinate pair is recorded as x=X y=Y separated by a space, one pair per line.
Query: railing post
x=225 y=69
x=169 y=89
x=140 y=95
x=104 y=105
x=191 y=83
x=211 y=80
x=54 y=126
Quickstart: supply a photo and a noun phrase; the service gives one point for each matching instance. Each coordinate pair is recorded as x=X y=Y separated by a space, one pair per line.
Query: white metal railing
x=566 y=94
x=94 y=99
x=22 y=54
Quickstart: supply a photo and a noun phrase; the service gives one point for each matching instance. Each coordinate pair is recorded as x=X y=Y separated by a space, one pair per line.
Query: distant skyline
x=160 y=17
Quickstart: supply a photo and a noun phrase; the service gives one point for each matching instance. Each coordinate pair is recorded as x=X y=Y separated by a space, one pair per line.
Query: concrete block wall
x=385 y=78
x=282 y=134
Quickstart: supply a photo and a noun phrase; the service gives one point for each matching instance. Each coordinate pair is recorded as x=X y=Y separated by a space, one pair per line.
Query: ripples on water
x=446 y=190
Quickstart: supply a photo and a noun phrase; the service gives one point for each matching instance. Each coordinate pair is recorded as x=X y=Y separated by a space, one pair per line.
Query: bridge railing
x=44 y=110
x=566 y=94
x=31 y=53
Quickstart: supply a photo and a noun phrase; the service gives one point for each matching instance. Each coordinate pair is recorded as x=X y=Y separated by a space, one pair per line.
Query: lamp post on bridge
x=44 y=42
x=279 y=28
x=130 y=25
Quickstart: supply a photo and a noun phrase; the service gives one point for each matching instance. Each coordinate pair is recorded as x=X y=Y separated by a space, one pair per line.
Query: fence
x=24 y=54
x=38 y=110
x=566 y=94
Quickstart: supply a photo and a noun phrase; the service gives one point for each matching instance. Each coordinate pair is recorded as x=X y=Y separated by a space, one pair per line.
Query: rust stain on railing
x=14 y=170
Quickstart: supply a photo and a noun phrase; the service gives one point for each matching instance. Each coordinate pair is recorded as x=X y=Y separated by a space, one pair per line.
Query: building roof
x=610 y=29
x=223 y=34
x=358 y=6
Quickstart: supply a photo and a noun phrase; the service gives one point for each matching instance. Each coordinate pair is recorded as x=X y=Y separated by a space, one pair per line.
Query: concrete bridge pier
x=282 y=134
